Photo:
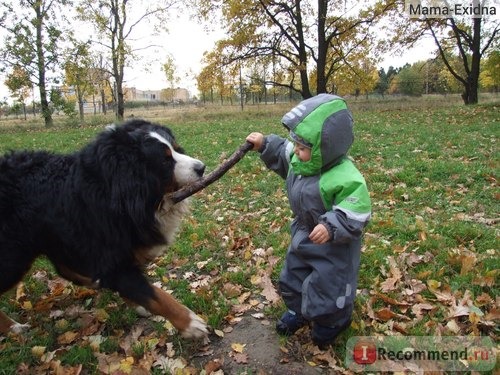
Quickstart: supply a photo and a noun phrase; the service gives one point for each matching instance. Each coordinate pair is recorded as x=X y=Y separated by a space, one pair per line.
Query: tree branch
x=189 y=190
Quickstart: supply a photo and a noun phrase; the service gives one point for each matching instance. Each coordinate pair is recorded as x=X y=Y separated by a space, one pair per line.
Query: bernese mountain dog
x=99 y=215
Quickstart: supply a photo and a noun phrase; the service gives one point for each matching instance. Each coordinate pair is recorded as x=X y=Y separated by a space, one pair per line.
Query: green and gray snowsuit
x=320 y=281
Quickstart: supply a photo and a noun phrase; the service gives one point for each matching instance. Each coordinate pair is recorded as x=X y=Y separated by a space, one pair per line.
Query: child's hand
x=256 y=139
x=319 y=234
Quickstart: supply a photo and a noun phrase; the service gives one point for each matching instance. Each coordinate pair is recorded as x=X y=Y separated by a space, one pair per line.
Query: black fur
x=90 y=211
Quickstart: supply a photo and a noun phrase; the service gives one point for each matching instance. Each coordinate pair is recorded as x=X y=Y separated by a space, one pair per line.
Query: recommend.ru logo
x=416 y=353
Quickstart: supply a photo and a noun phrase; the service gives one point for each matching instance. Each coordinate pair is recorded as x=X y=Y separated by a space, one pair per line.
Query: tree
x=169 y=69
x=295 y=35
x=218 y=78
x=382 y=83
x=78 y=74
x=410 y=81
x=359 y=77
x=115 y=21
x=19 y=84
x=490 y=78
x=468 y=37
x=33 y=41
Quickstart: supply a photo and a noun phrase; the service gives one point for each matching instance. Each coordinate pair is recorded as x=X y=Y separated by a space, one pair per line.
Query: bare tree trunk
x=46 y=112
x=322 y=47
x=304 y=77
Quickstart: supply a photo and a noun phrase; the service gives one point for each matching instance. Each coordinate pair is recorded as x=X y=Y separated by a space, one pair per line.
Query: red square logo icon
x=364 y=352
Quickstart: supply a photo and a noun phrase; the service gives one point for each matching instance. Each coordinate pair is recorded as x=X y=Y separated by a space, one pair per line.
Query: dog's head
x=186 y=168
x=130 y=168
x=156 y=148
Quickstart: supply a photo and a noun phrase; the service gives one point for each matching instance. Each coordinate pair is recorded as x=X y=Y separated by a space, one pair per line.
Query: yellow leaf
x=255 y=279
x=433 y=285
x=424 y=274
x=27 y=305
x=219 y=333
x=101 y=315
x=474 y=318
x=20 y=291
x=126 y=365
x=468 y=263
x=238 y=348
x=62 y=324
x=37 y=351
x=247 y=255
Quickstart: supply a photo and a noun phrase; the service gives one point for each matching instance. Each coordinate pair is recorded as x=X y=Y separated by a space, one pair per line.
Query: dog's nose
x=199 y=169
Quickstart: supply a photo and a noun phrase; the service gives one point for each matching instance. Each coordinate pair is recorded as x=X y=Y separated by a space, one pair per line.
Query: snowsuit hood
x=324 y=123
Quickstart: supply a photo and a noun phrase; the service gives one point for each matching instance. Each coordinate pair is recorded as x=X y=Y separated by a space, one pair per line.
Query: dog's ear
x=116 y=166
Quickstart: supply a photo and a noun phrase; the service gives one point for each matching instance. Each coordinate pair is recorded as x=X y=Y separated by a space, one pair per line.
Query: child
x=331 y=206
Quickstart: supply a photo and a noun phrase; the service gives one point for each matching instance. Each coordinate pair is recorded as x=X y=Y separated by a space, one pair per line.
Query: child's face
x=302 y=152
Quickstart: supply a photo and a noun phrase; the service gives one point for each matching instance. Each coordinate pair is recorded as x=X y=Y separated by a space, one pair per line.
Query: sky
x=186 y=42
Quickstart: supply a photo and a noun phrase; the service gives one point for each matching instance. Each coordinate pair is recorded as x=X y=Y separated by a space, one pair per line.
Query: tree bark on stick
x=213 y=176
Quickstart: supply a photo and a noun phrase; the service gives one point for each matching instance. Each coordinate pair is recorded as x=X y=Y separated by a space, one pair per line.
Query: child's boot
x=289 y=323
x=323 y=336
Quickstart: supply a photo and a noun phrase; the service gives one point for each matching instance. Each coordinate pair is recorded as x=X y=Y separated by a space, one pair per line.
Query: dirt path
x=261 y=352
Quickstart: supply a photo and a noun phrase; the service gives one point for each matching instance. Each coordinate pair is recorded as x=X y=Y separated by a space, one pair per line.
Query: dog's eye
x=178 y=148
x=168 y=152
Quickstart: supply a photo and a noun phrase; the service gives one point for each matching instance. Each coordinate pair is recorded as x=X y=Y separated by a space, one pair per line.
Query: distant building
x=165 y=95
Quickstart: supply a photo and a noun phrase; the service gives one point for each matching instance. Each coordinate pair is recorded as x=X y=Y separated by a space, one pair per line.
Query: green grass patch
x=433 y=177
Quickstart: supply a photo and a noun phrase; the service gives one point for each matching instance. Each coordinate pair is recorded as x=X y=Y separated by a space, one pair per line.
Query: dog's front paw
x=142 y=312
x=197 y=328
x=18 y=328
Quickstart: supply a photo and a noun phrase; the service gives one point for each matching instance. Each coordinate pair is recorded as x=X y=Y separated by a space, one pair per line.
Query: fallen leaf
x=421 y=309
x=238 y=348
x=67 y=337
x=390 y=300
x=493 y=314
x=385 y=314
x=219 y=333
x=231 y=290
x=240 y=358
x=453 y=326
x=26 y=305
x=56 y=368
x=213 y=366
x=242 y=298
x=20 y=292
x=268 y=289
x=101 y=315
x=126 y=364
x=388 y=285
x=326 y=358
x=255 y=280
x=468 y=263
x=258 y=316
x=38 y=351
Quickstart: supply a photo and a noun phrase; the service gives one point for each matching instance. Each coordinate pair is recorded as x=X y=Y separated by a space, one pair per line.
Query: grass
x=432 y=173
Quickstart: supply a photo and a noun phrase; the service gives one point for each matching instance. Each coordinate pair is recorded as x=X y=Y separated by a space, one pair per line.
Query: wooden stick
x=213 y=176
